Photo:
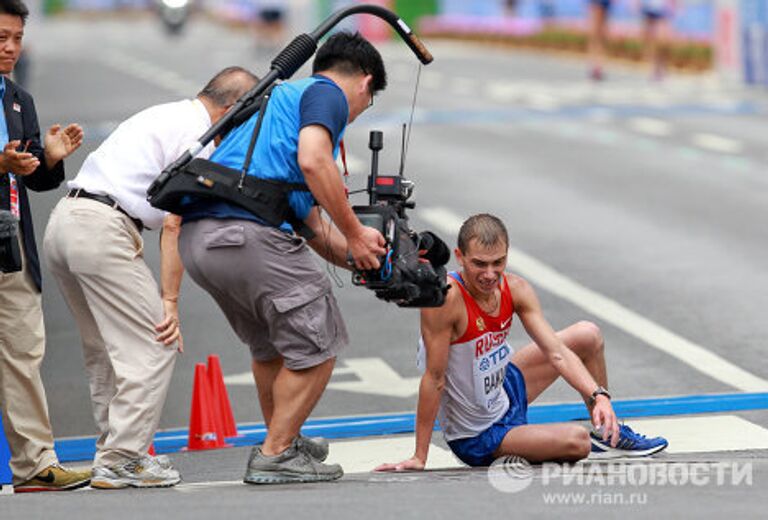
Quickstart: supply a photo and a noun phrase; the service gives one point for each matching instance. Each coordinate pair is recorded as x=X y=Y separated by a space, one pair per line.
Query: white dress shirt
x=139 y=149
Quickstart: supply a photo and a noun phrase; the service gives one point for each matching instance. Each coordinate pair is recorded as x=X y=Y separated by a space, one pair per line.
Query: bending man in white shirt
x=93 y=246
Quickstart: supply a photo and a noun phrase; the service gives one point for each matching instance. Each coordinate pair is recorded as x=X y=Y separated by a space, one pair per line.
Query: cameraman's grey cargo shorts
x=270 y=288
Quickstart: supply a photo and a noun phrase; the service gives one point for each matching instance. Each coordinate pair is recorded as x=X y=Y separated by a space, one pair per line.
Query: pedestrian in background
x=599 y=11
x=656 y=14
x=25 y=162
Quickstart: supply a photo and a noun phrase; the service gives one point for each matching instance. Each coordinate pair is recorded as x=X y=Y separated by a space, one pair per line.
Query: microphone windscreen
x=437 y=251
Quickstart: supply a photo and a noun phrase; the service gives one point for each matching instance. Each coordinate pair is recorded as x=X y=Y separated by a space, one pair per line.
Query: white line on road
x=717 y=143
x=149 y=72
x=649 y=126
x=360 y=456
x=613 y=312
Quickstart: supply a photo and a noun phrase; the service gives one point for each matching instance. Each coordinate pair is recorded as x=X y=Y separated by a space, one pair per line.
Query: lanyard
x=343 y=151
x=14 y=195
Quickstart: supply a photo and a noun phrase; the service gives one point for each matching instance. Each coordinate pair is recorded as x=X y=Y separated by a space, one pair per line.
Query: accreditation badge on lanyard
x=14 y=195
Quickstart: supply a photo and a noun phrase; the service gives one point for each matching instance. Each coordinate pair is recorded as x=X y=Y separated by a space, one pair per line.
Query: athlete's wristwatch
x=599 y=391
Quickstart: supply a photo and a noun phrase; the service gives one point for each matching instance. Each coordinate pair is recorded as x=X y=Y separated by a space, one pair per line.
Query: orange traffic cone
x=221 y=405
x=202 y=425
x=151 y=451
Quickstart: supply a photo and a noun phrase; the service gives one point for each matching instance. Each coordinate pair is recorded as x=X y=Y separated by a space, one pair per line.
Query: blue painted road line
x=169 y=441
x=5 y=456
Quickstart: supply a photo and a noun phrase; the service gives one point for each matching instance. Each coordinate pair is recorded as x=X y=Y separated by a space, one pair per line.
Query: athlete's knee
x=578 y=444
x=591 y=337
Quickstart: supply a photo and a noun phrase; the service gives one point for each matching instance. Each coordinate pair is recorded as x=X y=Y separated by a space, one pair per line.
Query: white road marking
x=650 y=126
x=355 y=165
x=149 y=72
x=376 y=377
x=601 y=115
x=543 y=101
x=614 y=313
x=463 y=86
x=503 y=91
x=704 y=434
x=241 y=379
x=432 y=80
x=372 y=376
x=361 y=456
x=188 y=487
x=717 y=143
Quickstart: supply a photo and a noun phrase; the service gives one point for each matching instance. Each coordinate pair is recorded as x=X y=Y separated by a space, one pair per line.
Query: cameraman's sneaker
x=140 y=473
x=292 y=465
x=316 y=447
x=54 y=478
x=630 y=444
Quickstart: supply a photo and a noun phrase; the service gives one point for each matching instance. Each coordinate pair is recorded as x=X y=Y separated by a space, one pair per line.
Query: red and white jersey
x=474 y=396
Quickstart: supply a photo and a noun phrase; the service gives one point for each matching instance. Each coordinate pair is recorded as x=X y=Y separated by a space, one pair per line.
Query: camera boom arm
x=290 y=59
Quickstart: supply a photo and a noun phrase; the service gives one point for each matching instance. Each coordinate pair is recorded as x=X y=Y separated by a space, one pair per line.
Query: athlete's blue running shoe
x=630 y=444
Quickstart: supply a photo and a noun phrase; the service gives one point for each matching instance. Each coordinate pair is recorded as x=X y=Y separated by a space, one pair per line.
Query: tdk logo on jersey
x=492 y=359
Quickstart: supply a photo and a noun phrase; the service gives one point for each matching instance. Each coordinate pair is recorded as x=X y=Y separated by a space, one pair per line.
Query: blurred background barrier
x=730 y=36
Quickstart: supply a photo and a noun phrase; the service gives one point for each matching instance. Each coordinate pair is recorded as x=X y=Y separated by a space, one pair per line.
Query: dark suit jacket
x=21 y=119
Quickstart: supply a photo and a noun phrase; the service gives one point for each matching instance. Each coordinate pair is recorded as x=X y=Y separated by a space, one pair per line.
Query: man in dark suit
x=25 y=162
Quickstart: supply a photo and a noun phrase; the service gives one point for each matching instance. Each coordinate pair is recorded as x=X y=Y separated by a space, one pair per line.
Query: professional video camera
x=10 y=254
x=412 y=273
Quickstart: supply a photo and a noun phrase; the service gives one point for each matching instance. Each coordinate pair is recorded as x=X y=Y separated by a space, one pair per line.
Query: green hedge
x=682 y=54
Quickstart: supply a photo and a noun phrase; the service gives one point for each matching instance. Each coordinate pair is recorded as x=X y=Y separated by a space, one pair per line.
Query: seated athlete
x=480 y=390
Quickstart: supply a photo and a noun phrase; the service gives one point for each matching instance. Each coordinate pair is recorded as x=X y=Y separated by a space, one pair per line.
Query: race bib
x=492 y=354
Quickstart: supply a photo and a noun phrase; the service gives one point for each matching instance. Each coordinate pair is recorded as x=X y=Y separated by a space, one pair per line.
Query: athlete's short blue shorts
x=479 y=450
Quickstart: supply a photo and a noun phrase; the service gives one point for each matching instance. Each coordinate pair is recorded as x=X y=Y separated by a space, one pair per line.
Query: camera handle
x=290 y=59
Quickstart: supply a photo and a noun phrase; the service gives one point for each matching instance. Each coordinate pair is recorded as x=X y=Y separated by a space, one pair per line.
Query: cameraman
x=93 y=245
x=264 y=278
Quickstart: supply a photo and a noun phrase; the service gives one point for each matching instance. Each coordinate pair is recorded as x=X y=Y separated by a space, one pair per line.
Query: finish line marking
x=696 y=356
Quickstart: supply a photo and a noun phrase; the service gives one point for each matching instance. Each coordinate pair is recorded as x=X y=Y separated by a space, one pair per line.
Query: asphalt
x=649 y=195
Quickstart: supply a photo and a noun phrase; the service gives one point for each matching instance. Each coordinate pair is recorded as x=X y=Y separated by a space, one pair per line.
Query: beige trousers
x=22 y=396
x=96 y=255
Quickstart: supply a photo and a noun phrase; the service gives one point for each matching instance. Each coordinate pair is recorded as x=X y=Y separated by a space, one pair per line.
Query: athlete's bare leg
x=583 y=338
x=555 y=442
x=546 y=443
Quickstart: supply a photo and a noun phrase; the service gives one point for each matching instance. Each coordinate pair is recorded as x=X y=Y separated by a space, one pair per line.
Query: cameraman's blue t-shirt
x=293 y=105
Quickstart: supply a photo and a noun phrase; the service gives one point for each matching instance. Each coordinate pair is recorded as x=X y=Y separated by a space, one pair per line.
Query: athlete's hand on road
x=60 y=143
x=169 y=330
x=604 y=420
x=366 y=248
x=18 y=162
x=412 y=464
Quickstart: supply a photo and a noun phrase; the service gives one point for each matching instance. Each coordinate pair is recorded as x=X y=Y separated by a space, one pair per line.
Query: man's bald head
x=226 y=87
